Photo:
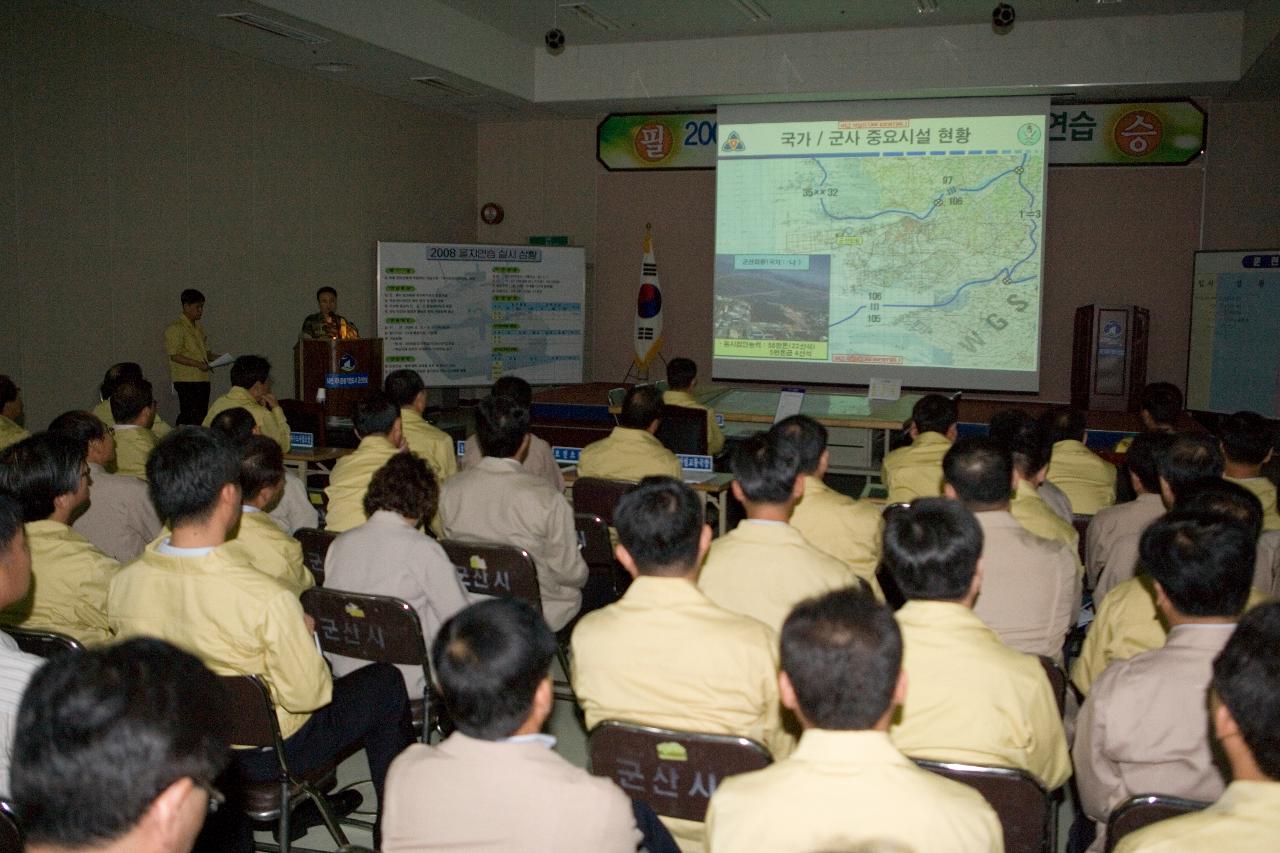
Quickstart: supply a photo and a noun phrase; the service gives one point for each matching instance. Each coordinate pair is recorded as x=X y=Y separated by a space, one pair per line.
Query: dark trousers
x=369 y=708
x=657 y=839
x=193 y=402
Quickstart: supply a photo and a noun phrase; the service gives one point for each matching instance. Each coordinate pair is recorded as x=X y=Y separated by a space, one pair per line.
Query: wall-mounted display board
x=462 y=314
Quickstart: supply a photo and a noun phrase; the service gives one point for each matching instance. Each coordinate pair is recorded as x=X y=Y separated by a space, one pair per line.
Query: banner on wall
x=1101 y=133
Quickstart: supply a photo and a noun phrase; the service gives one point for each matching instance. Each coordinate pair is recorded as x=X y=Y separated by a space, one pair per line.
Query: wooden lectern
x=346 y=370
x=1109 y=357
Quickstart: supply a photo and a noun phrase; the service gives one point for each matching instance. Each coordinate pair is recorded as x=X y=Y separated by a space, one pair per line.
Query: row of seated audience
x=989 y=572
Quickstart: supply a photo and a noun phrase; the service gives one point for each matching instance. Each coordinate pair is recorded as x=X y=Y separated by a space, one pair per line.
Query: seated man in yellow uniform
x=294 y=509
x=189 y=357
x=539 y=461
x=433 y=446
x=842 y=676
x=50 y=478
x=846 y=529
x=251 y=391
x=631 y=452
x=264 y=545
x=133 y=407
x=1128 y=621
x=1087 y=478
x=681 y=374
x=665 y=655
x=191 y=590
x=377 y=424
x=1111 y=544
x=1247 y=444
x=120 y=520
x=971 y=698
x=1244 y=705
x=1030 y=586
x=115 y=374
x=1160 y=410
x=764 y=566
x=915 y=471
x=10 y=412
x=1028 y=445
x=327 y=324
x=1143 y=727
x=496 y=500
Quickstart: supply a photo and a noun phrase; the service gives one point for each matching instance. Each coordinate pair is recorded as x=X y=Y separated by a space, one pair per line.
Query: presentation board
x=1233 y=360
x=463 y=314
x=895 y=240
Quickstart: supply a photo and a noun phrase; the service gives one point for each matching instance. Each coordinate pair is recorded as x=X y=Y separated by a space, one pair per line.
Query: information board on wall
x=462 y=314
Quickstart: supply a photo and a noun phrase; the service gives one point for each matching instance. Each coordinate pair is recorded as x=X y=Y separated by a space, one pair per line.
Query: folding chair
x=597 y=551
x=1143 y=810
x=43 y=644
x=1057 y=681
x=683 y=429
x=599 y=496
x=1024 y=806
x=375 y=628
x=615 y=396
x=255 y=724
x=11 y=840
x=1081 y=524
x=315 y=545
x=504 y=571
x=674 y=772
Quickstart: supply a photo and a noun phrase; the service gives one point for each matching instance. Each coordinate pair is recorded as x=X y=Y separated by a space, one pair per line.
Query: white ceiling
x=493 y=49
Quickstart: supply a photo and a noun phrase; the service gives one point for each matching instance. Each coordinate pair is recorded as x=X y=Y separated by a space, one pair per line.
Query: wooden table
x=713 y=490
x=320 y=457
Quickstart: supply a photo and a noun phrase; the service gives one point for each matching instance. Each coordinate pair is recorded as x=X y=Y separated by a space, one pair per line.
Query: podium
x=346 y=370
x=1109 y=357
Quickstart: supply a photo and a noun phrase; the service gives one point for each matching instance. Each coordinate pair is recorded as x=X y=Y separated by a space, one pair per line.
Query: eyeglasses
x=216 y=798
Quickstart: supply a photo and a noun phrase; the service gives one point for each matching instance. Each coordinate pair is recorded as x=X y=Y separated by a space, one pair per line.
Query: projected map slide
x=882 y=246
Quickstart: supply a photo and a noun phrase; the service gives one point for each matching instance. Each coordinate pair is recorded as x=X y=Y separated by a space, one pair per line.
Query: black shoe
x=306 y=816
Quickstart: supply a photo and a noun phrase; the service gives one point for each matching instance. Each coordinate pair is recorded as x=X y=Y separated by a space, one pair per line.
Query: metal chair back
x=367 y=627
x=674 y=772
x=1081 y=524
x=43 y=644
x=315 y=546
x=1024 y=806
x=599 y=496
x=683 y=429
x=1143 y=810
x=597 y=552
x=491 y=568
x=11 y=840
x=1057 y=681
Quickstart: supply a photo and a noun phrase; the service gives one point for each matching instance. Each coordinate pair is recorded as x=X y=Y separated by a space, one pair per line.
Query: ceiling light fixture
x=444 y=87
x=592 y=16
x=334 y=67
x=926 y=7
x=752 y=10
x=276 y=28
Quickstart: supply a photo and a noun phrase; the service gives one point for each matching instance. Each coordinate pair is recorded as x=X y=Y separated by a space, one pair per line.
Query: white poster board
x=462 y=314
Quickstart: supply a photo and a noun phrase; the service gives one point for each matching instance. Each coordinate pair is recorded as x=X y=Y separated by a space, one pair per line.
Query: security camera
x=555 y=40
x=1002 y=17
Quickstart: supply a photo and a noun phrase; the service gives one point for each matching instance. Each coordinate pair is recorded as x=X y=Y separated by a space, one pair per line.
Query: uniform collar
x=1211 y=637
x=996 y=518
x=764 y=531
x=1250 y=796
x=683 y=396
x=163 y=547
x=387 y=518
x=499 y=464
x=241 y=395
x=1071 y=445
x=814 y=485
x=377 y=442
x=629 y=434
x=46 y=527
x=861 y=747
x=930 y=437
x=1025 y=491
x=663 y=591
x=947 y=615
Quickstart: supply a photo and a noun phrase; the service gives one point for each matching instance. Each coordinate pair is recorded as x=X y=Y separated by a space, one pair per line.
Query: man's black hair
x=641 y=407
x=1064 y=423
x=1203 y=560
x=405 y=485
x=11 y=519
x=501 y=425
x=8 y=390
x=515 y=388
x=765 y=469
x=1163 y=402
x=187 y=470
x=102 y=732
x=374 y=414
x=659 y=522
x=806 y=436
x=261 y=466
x=934 y=413
x=931 y=549
x=403 y=386
x=82 y=426
x=1247 y=438
x=38 y=469
x=116 y=372
x=1218 y=496
x=680 y=373
x=1144 y=457
x=249 y=370
x=489 y=660
x=1190 y=457
x=130 y=398
x=326 y=289
x=1024 y=437
x=191 y=296
x=235 y=423
x=842 y=653
x=1246 y=678
x=980 y=469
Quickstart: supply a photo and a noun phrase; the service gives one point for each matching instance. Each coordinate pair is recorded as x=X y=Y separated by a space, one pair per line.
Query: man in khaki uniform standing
x=189 y=357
